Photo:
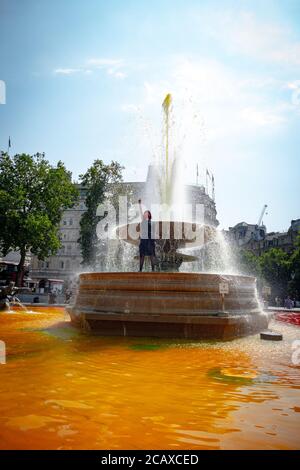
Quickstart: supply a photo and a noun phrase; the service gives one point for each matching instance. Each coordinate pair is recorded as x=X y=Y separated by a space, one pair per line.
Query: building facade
x=242 y=233
x=256 y=239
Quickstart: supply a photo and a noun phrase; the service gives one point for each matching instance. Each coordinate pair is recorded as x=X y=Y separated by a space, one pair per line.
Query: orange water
x=61 y=389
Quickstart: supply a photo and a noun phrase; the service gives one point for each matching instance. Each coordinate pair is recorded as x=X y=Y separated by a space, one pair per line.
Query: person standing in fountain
x=147 y=243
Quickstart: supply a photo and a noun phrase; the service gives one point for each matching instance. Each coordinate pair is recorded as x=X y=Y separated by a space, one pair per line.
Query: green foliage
x=33 y=196
x=98 y=178
x=294 y=284
x=279 y=270
x=249 y=263
x=275 y=267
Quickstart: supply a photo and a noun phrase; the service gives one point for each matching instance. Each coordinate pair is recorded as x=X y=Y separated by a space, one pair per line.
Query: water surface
x=62 y=389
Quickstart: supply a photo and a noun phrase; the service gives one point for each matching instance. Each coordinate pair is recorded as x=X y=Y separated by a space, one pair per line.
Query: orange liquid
x=62 y=389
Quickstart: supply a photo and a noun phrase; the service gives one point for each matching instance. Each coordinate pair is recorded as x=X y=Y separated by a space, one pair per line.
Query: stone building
x=256 y=239
x=56 y=270
x=284 y=240
x=242 y=233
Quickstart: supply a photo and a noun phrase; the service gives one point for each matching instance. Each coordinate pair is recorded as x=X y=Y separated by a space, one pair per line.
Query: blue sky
x=85 y=79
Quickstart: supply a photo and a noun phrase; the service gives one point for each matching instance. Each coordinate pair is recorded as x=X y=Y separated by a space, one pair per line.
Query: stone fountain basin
x=170 y=305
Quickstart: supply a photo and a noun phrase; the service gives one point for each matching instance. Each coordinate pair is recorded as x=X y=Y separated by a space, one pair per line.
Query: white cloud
x=65 y=71
x=117 y=74
x=113 y=67
x=227 y=101
x=216 y=109
x=261 y=117
x=244 y=34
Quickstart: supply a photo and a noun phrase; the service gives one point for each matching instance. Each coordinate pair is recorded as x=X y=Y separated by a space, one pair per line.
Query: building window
x=64 y=222
x=62 y=265
x=71 y=222
x=47 y=264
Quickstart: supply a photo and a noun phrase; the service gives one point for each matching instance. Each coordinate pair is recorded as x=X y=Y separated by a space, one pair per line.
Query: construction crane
x=262 y=214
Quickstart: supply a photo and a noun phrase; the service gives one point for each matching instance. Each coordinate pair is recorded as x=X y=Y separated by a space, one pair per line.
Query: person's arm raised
x=141 y=210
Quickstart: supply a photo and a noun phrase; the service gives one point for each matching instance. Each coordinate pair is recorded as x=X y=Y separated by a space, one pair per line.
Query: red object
x=9 y=271
x=289 y=317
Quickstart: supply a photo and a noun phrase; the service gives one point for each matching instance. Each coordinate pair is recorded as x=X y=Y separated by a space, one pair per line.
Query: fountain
x=8 y=297
x=167 y=302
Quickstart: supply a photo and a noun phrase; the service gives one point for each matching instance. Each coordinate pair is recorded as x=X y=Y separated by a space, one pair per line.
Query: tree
x=249 y=263
x=276 y=270
x=98 y=179
x=33 y=196
x=294 y=283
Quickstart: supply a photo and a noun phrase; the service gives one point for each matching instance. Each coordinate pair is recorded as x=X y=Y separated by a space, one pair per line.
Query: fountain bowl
x=167 y=305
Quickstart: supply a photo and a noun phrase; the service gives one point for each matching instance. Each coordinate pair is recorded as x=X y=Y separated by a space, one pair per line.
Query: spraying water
x=165 y=182
x=166 y=187
x=165 y=195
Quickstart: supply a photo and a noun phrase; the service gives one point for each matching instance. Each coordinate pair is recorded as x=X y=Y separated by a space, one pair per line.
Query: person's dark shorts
x=147 y=248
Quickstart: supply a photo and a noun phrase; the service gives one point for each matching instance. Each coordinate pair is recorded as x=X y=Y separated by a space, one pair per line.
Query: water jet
x=169 y=303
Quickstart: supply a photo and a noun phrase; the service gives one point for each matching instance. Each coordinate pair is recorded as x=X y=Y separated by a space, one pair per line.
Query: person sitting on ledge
x=147 y=243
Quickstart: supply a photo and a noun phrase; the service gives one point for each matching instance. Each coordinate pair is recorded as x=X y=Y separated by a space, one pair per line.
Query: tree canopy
x=97 y=180
x=276 y=268
x=33 y=196
x=294 y=283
